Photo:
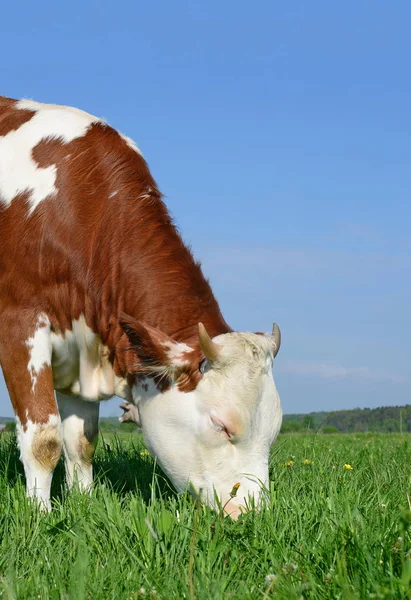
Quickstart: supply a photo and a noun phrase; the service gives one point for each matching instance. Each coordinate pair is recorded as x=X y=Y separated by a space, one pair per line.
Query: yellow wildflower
x=307 y=461
x=348 y=467
x=144 y=453
x=289 y=463
x=234 y=491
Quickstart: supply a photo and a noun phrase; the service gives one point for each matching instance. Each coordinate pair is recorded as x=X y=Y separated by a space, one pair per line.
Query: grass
x=330 y=532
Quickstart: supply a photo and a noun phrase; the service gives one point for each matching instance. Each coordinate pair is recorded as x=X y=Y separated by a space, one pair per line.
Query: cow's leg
x=79 y=420
x=130 y=413
x=25 y=356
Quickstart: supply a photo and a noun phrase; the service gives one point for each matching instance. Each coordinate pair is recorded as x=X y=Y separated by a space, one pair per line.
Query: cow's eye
x=202 y=367
x=221 y=428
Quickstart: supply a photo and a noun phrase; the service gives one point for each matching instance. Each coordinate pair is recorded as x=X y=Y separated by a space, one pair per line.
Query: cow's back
x=64 y=175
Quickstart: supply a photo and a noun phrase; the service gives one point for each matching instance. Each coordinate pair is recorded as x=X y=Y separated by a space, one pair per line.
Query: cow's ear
x=152 y=351
x=148 y=343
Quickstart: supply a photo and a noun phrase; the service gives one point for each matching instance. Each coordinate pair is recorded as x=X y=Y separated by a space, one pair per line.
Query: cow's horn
x=208 y=347
x=276 y=335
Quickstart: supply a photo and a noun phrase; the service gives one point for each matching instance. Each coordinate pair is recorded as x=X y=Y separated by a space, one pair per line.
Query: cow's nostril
x=234 y=510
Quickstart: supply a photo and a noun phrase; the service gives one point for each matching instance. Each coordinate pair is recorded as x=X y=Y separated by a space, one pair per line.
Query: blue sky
x=280 y=134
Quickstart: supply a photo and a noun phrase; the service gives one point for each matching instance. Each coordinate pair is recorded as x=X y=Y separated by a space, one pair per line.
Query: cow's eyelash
x=221 y=428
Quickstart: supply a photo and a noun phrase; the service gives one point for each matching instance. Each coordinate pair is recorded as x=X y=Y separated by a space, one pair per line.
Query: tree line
x=385 y=419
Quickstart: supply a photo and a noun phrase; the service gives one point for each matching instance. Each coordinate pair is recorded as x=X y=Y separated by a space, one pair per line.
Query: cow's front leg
x=79 y=420
x=25 y=356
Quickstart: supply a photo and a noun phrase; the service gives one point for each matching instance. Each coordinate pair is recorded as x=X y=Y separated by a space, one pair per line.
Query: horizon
x=356 y=408
x=281 y=143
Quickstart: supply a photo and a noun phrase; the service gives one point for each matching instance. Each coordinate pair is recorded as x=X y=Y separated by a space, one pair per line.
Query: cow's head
x=209 y=413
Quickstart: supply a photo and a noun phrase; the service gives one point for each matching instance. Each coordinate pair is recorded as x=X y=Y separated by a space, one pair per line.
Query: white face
x=219 y=434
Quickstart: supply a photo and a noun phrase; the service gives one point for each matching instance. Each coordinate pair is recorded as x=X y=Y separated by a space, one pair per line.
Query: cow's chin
x=244 y=493
x=236 y=501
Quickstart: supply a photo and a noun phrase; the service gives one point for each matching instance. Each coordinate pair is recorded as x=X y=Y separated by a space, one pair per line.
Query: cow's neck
x=162 y=285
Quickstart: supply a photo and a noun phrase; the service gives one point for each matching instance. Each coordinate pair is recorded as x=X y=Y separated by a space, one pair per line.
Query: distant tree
x=330 y=429
x=10 y=426
x=308 y=422
x=391 y=425
x=291 y=427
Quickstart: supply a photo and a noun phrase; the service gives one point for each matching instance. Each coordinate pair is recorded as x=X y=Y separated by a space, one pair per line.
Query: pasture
x=331 y=531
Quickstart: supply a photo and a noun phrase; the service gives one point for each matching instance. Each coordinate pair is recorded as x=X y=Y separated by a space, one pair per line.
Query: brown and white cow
x=100 y=296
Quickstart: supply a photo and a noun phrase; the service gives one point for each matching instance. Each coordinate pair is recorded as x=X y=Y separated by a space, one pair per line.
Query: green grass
x=330 y=532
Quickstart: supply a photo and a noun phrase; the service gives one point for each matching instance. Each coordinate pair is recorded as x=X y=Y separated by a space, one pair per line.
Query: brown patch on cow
x=10 y=117
x=191 y=375
x=47 y=446
x=86 y=448
x=12 y=120
x=6 y=103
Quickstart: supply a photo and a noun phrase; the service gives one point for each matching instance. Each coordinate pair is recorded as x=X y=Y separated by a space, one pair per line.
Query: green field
x=330 y=532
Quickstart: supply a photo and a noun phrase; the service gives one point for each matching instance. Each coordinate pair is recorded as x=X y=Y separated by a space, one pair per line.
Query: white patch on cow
x=19 y=173
x=39 y=346
x=131 y=144
x=175 y=353
x=179 y=430
x=65 y=361
x=112 y=194
x=121 y=388
x=38 y=478
x=96 y=375
x=81 y=364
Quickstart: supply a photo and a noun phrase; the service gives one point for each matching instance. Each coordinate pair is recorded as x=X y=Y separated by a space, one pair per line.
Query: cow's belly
x=81 y=366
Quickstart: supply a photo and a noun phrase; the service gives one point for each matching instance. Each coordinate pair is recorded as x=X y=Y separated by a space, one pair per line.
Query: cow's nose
x=234 y=510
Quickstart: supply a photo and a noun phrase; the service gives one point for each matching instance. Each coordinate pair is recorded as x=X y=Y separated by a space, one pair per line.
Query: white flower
x=270 y=578
x=290 y=568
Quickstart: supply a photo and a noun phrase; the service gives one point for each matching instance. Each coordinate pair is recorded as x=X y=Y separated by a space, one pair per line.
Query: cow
x=99 y=296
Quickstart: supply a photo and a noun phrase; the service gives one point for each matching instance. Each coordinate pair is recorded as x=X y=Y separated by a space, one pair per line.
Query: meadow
x=338 y=526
